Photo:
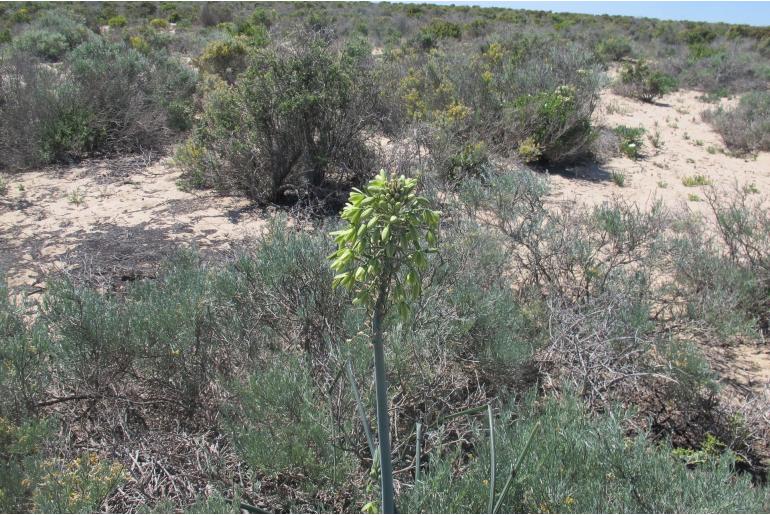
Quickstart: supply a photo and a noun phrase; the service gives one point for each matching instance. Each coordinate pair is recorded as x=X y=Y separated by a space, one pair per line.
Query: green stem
x=381 y=387
x=515 y=467
x=491 y=502
x=417 y=453
x=360 y=408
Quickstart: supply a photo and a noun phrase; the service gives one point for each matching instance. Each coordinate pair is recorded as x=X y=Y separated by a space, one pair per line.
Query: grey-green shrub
x=52 y=35
x=106 y=97
x=580 y=463
x=295 y=118
x=745 y=127
x=281 y=423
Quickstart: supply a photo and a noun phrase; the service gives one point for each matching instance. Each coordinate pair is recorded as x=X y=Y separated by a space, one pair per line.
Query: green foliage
x=386 y=224
x=471 y=161
x=554 y=121
x=20 y=460
x=78 y=486
x=280 y=426
x=226 y=58
x=638 y=80
x=574 y=456
x=117 y=21
x=52 y=35
x=549 y=97
x=159 y=23
x=613 y=48
x=291 y=118
x=442 y=29
x=711 y=449
x=48 y=45
x=630 y=140
x=696 y=180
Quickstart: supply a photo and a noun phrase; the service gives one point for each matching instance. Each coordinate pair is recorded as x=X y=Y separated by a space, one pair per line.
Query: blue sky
x=751 y=13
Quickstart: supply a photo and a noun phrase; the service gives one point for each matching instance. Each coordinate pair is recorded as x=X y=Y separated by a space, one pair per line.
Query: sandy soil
x=126 y=211
x=131 y=211
x=689 y=147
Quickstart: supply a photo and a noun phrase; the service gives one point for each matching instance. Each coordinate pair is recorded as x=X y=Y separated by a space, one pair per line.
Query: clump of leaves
x=619 y=178
x=630 y=140
x=385 y=221
x=389 y=227
x=696 y=180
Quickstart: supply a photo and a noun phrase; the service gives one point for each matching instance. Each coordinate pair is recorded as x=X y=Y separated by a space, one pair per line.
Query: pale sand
x=40 y=224
x=658 y=174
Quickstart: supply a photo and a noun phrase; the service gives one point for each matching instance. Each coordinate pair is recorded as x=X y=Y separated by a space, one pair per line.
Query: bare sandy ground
x=689 y=147
x=125 y=211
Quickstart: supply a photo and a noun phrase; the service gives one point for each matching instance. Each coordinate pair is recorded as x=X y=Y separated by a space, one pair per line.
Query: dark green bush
x=226 y=58
x=293 y=119
x=117 y=21
x=638 y=80
x=442 y=29
x=613 y=48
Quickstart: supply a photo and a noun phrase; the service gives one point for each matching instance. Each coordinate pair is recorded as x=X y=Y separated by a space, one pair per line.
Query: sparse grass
x=662 y=184
x=655 y=138
x=751 y=189
x=619 y=178
x=696 y=180
x=76 y=197
x=614 y=107
x=693 y=197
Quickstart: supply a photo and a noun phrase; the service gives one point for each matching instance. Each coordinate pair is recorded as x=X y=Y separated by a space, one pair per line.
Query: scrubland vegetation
x=543 y=360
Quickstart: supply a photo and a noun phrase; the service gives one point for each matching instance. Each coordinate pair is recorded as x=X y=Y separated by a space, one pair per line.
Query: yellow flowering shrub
x=77 y=486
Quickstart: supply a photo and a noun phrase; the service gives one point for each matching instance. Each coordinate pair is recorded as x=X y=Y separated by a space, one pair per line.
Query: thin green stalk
x=381 y=387
x=360 y=409
x=491 y=502
x=515 y=467
x=417 y=453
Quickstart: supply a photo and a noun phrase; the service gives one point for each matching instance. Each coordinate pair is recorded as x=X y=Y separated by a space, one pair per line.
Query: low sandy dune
x=689 y=147
x=128 y=214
